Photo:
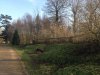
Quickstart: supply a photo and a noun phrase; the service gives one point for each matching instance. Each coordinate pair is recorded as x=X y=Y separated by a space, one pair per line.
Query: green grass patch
x=79 y=70
x=61 y=59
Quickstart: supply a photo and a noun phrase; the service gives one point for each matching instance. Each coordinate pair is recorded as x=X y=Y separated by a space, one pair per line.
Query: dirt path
x=10 y=63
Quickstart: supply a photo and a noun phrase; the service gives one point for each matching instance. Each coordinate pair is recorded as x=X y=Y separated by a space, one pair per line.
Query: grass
x=79 y=70
x=61 y=59
x=25 y=58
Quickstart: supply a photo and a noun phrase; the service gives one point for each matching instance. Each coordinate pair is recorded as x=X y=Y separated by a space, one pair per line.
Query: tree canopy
x=5 y=22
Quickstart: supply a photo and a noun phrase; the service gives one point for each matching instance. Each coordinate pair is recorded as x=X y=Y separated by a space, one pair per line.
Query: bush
x=58 y=54
x=68 y=59
x=15 y=39
x=79 y=70
x=87 y=49
x=62 y=54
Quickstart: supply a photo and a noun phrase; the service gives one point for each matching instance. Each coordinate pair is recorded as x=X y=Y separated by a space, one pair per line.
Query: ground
x=10 y=62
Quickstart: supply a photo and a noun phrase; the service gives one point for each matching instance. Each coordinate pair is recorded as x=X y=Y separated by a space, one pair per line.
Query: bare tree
x=56 y=9
x=37 y=25
x=45 y=27
x=28 y=22
x=76 y=7
x=92 y=18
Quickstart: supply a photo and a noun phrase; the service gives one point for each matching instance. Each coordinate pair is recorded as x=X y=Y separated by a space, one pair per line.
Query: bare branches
x=56 y=9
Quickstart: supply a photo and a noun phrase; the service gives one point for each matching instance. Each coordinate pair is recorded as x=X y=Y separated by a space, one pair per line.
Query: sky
x=18 y=8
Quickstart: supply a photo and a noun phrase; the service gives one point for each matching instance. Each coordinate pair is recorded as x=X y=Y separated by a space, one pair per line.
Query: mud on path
x=10 y=62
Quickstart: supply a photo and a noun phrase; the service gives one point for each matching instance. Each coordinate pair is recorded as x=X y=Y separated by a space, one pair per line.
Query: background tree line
x=65 y=18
